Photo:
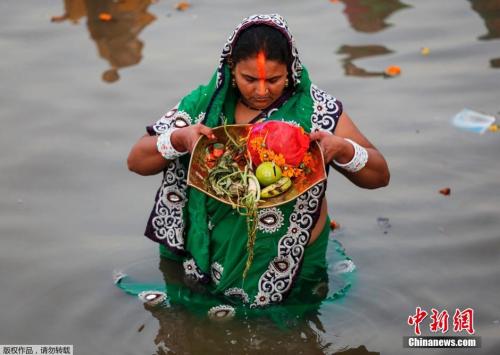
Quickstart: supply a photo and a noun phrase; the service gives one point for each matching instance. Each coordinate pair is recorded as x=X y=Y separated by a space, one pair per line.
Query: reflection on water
x=495 y=63
x=179 y=326
x=489 y=10
x=180 y=332
x=74 y=10
x=114 y=25
x=370 y=15
x=367 y=16
x=185 y=308
x=356 y=52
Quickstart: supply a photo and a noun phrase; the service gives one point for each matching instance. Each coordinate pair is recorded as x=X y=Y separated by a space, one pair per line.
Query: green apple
x=267 y=173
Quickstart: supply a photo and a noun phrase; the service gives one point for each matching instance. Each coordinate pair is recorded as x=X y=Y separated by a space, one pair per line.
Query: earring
x=286 y=82
x=233 y=82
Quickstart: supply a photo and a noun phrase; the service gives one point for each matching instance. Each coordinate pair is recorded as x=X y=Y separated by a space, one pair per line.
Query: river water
x=77 y=92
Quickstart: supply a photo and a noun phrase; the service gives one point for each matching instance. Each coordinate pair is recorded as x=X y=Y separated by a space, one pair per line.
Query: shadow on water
x=180 y=322
x=370 y=17
x=174 y=336
x=114 y=25
x=186 y=309
x=489 y=10
x=356 y=52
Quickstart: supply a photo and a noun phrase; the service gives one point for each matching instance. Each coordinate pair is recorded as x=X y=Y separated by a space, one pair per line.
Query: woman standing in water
x=259 y=78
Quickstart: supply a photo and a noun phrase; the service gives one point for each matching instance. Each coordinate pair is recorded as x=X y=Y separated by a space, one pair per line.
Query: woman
x=260 y=77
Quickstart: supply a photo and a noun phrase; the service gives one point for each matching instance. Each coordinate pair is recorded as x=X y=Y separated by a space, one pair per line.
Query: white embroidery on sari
x=172 y=118
x=261 y=299
x=326 y=110
x=237 y=292
x=168 y=223
x=192 y=270
x=270 y=220
x=152 y=298
x=222 y=312
x=277 y=280
x=216 y=272
x=199 y=118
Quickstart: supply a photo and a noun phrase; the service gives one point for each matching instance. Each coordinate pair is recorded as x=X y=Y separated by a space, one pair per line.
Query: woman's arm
x=375 y=174
x=144 y=158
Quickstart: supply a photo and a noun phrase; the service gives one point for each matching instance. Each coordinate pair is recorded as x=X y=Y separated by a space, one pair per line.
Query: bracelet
x=165 y=147
x=358 y=161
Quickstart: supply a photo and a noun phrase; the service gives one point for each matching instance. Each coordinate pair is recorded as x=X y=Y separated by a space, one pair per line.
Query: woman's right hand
x=144 y=158
x=184 y=139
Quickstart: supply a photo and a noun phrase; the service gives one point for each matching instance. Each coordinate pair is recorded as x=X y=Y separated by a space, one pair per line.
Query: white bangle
x=165 y=147
x=358 y=161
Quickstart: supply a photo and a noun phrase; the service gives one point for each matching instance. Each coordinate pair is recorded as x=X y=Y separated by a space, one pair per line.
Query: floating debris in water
x=222 y=312
x=140 y=328
x=383 y=223
x=392 y=70
x=152 y=298
x=425 y=51
x=445 y=191
x=344 y=266
x=334 y=225
x=105 y=17
x=182 y=6
x=473 y=121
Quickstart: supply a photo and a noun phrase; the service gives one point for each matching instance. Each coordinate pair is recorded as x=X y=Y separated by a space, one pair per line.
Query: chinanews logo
x=439 y=324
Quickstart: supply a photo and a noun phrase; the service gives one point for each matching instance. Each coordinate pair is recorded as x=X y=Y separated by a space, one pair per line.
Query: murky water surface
x=77 y=91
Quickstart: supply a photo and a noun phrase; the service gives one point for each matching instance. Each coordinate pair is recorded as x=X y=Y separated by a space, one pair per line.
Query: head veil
x=222 y=77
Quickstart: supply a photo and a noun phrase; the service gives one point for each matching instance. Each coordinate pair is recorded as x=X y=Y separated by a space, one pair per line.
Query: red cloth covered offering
x=281 y=138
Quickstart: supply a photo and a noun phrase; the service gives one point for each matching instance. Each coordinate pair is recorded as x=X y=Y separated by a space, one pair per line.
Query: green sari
x=209 y=238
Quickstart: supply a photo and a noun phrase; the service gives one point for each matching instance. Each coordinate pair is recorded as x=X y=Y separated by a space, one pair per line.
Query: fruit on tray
x=268 y=173
x=277 y=188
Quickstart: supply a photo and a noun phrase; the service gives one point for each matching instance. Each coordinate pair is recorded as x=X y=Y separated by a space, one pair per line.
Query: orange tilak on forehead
x=261 y=67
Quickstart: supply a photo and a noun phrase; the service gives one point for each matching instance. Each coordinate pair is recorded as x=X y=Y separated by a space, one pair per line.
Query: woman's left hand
x=333 y=147
x=374 y=174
